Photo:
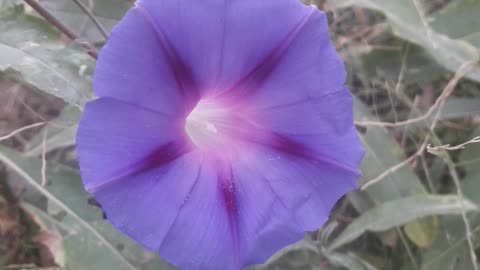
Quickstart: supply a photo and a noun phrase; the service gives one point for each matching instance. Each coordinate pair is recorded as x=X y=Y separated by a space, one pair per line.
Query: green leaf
x=32 y=53
x=301 y=255
x=409 y=22
x=92 y=243
x=459 y=108
x=459 y=20
x=107 y=12
x=454 y=108
x=470 y=158
x=9 y=3
x=61 y=132
x=422 y=232
x=384 y=63
x=399 y=212
x=383 y=152
x=450 y=250
x=349 y=261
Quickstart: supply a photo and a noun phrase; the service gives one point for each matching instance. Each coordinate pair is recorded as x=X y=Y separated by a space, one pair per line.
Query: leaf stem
x=407 y=248
x=95 y=21
x=63 y=28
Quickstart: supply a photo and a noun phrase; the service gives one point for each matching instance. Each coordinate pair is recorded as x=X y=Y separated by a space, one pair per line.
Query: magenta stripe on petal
x=262 y=71
x=223 y=130
x=227 y=186
x=183 y=74
x=158 y=158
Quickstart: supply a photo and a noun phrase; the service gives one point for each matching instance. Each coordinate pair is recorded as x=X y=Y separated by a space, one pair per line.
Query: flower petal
x=224 y=40
x=323 y=126
x=303 y=99
x=176 y=210
x=280 y=197
x=302 y=65
x=116 y=139
x=292 y=148
x=133 y=68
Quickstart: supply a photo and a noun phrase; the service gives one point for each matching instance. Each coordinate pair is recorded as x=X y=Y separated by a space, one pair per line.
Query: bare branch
x=436 y=150
x=439 y=104
x=468 y=228
x=90 y=49
x=44 y=157
x=10 y=135
x=396 y=167
x=447 y=91
x=95 y=21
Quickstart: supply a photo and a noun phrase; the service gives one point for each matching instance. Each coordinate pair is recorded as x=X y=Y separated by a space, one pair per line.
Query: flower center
x=205 y=125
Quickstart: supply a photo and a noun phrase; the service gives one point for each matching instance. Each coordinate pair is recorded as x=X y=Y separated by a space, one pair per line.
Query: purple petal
x=279 y=197
x=308 y=66
x=303 y=99
x=255 y=32
x=117 y=139
x=175 y=210
x=133 y=68
x=224 y=40
x=322 y=126
x=274 y=135
x=191 y=33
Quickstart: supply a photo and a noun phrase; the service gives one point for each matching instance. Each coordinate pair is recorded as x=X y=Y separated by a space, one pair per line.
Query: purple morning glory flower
x=223 y=130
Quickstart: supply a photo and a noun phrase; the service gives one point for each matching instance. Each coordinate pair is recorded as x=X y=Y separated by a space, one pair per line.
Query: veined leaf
x=451 y=250
x=399 y=212
x=61 y=132
x=33 y=53
x=382 y=153
x=387 y=63
x=459 y=20
x=409 y=22
x=107 y=12
x=94 y=244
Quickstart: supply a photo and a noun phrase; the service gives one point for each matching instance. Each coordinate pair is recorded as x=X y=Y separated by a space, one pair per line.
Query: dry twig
x=44 y=157
x=90 y=49
x=447 y=91
x=15 y=132
x=95 y=21
x=439 y=104
x=436 y=150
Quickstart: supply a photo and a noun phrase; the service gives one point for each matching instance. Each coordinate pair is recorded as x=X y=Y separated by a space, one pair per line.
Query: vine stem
x=60 y=26
x=95 y=21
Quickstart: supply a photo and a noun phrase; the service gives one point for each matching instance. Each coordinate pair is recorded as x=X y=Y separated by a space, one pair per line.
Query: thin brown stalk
x=95 y=21
x=89 y=48
x=12 y=134
x=447 y=91
x=439 y=104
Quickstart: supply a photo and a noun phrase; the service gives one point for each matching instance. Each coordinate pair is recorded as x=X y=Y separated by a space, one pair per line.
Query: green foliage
x=409 y=21
x=108 y=12
x=411 y=218
x=387 y=63
x=33 y=53
x=60 y=133
x=89 y=241
x=401 y=211
x=459 y=20
x=379 y=158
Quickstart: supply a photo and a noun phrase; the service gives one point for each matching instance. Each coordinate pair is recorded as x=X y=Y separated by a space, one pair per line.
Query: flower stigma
x=205 y=125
